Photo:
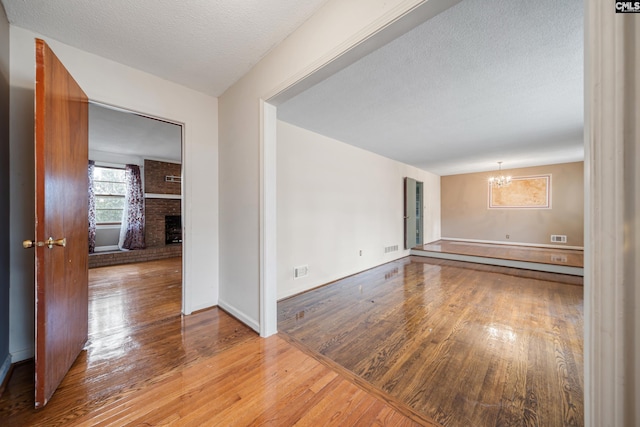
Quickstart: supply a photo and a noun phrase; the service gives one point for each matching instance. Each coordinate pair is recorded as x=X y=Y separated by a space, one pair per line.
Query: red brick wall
x=157 y=209
x=102 y=259
x=154 y=173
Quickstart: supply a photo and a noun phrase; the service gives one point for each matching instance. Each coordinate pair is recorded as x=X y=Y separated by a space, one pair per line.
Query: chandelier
x=500 y=180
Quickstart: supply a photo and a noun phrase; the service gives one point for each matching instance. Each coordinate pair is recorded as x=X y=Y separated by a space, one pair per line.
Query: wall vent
x=558 y=238
x=301 y=271
x=388 y=249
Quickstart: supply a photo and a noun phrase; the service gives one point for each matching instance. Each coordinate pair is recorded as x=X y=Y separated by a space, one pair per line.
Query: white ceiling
x=129 y=134
x=206 y=45
x=484 y=81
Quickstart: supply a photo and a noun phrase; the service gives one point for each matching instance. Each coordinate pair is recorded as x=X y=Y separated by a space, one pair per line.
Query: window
x=109 y=188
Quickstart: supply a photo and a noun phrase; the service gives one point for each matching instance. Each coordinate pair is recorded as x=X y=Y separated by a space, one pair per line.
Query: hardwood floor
x=555 y=256
x=145 y=364
x=459 y=343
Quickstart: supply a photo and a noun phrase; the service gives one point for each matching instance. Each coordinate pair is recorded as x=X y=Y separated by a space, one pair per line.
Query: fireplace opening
x=173 y=229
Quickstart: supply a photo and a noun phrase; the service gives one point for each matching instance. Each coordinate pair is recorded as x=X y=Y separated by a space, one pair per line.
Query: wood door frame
x=185 y=220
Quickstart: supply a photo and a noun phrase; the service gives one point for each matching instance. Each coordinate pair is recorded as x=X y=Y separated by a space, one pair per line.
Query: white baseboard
x=252 y=323
x=500 y=242
x=21 y=355
x=198 y=307
x=4 y=369
x=301 y=289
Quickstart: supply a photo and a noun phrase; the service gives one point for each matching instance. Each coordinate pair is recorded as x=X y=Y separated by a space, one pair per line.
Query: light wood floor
x=145 y=364
x=462 y=344
x=554 y=256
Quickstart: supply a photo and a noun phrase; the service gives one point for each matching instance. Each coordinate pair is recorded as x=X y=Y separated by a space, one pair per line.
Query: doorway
x=413 y=213
x=124 y=144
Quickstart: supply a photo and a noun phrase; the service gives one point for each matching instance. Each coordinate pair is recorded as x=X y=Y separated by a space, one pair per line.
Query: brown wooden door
x=61 y=274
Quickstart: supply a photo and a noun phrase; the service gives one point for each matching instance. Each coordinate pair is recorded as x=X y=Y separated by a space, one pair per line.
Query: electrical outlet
x=301 y=271
x=360 y=252
x=507 y=236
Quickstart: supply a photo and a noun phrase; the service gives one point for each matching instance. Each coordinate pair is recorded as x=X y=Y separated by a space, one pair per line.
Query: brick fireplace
x=158 y=202
x=172 y=229
x=155 y=212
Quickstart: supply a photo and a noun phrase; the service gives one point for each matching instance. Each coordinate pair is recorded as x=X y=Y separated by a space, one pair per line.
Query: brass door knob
x=50 y=243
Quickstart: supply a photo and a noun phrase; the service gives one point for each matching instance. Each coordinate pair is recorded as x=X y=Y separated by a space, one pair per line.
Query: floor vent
x=558 y=238
x=301 y=271
x=388 y=249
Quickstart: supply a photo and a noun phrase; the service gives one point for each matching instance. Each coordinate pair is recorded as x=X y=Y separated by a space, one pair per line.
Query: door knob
x=50 y=243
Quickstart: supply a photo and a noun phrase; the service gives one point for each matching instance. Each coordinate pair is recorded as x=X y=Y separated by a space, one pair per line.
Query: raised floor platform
x=552 y=260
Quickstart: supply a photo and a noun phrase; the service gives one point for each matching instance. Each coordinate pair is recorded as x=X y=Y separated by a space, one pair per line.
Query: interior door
x=61 y=227
x=409 y=213
x=419 y=213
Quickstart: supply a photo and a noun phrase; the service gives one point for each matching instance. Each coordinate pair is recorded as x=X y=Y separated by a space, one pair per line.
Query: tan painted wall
x=465 y=213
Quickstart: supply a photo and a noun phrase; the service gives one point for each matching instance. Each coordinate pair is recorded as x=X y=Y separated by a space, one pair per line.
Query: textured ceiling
x=206 y=45
x=484 y=81
x=116 y=131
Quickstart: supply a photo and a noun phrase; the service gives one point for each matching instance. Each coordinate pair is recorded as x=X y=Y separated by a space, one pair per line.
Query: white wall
x=111 y=83
x=335 y=200
x=337 y=27
x=612 y=232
